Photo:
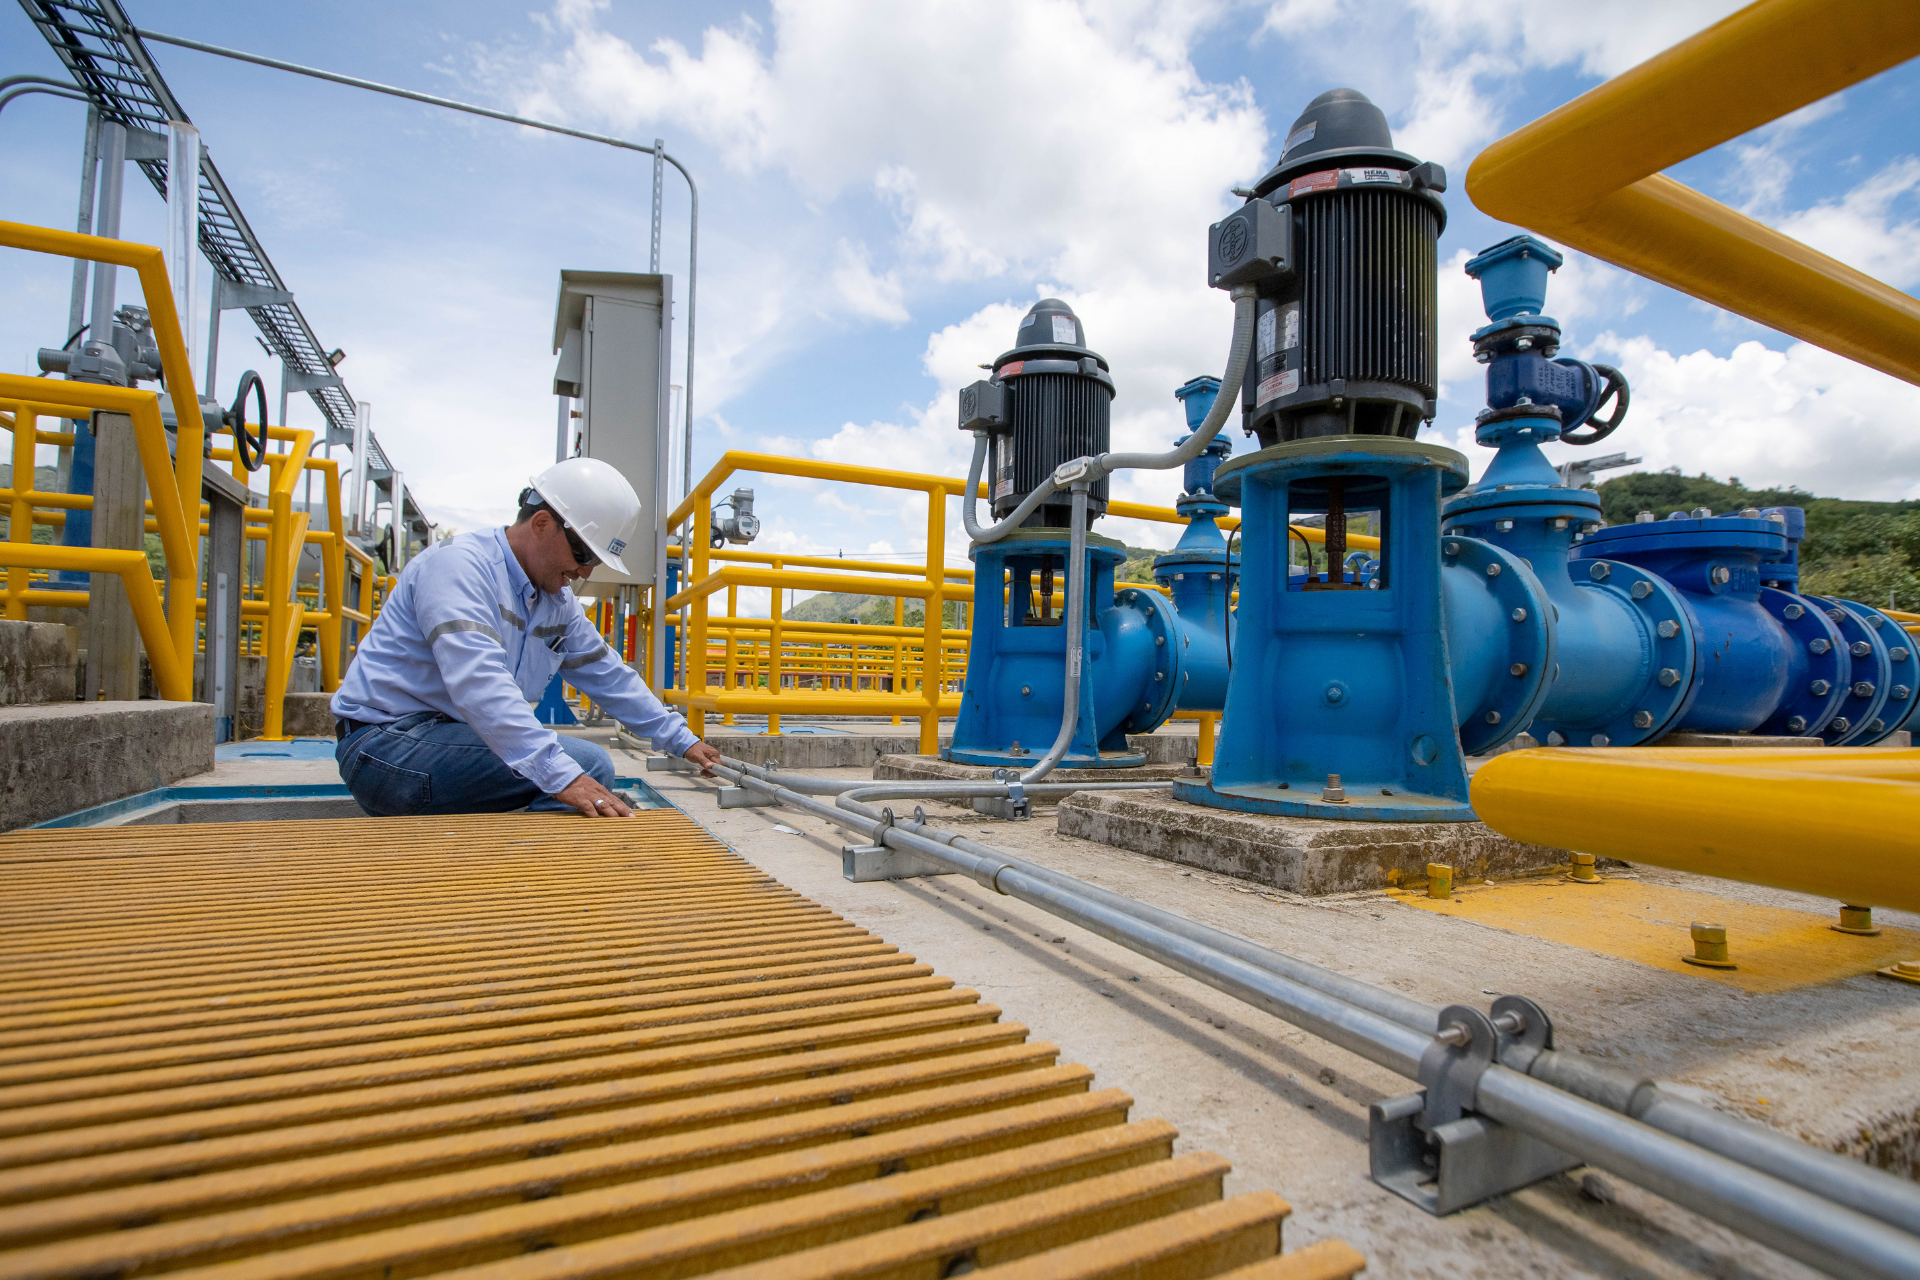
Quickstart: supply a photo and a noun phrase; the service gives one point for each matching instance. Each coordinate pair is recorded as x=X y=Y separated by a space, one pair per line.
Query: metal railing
x=1589 y=174
x=733 y=665
x=170 y=633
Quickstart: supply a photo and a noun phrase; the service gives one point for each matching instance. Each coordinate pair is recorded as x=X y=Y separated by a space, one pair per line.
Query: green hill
x=1866 y=551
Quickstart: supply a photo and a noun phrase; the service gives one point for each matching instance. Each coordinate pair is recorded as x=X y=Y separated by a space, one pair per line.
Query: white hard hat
x=596 y=502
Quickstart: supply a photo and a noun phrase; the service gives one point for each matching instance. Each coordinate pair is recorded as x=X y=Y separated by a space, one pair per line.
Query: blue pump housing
x=1145 y=655
x=1016 y=666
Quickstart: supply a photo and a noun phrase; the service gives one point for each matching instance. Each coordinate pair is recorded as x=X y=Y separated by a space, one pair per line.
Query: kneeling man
x=435 y=713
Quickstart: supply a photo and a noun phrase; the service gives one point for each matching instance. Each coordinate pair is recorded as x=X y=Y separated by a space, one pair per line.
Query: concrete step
x=65 y=756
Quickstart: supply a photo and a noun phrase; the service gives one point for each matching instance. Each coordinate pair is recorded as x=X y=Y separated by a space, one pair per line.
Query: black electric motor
x=1345 y=339
x=1050 y=400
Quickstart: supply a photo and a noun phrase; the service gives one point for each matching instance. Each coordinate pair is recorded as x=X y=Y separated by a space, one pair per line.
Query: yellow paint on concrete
x=1776 y=949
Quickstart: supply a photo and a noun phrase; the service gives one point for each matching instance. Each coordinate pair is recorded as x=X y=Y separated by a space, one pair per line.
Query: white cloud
x=1864 y=228
x=864 y=293
x=1799 y=417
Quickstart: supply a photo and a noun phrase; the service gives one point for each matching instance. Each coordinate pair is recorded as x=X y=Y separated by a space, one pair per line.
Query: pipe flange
x=1903 y=674
x=1862 y=717
x=1671 y=636
x=1169 y=659
x=1803 y=711
x=1527 y=648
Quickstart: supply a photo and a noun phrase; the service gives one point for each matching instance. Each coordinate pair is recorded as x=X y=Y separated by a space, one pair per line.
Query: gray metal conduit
x=1854 y=1201
x=1076 y=638
x=1826 y=1235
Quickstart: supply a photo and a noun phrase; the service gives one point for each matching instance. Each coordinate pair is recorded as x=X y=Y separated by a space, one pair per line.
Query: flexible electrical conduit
x=1821 y=1208
x=1092 y=470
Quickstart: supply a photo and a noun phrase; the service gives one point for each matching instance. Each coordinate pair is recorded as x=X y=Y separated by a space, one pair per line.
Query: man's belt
x=342 y=728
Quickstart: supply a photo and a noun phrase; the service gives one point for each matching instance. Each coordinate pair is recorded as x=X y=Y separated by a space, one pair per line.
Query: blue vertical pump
x=1341 y=700
x=1048 y=403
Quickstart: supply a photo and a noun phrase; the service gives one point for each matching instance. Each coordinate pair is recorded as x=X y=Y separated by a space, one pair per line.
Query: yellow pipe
x=1756 y=815
x=1589 y=174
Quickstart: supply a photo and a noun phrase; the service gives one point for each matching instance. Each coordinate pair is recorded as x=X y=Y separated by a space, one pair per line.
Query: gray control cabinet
x=613 y=333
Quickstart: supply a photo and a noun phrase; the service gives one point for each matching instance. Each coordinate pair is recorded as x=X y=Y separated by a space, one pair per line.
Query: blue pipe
x=1199 y=572
x=78 y=530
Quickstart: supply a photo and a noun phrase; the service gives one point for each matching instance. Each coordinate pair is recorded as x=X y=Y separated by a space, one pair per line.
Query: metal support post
x=659 y=180
x=77 y=308
x=183 y=223
x=357 y=498
x=233 y=295
x=398 y=488
x=119 y=524
x=225 y=585
x=113 y=164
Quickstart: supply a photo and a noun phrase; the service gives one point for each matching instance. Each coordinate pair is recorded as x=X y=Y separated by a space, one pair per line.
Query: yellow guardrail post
x=1589 y=174
x=20 y=521
x=932 y=668
x=287 y=538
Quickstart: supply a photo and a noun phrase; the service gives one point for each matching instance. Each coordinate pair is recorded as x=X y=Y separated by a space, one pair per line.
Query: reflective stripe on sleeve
x=461 y=624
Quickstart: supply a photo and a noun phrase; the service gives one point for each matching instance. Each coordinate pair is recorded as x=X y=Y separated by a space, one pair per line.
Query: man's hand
x=594 y=800
x=704 y=754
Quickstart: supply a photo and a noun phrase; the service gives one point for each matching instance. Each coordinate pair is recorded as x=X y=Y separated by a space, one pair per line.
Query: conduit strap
x=531 y=1047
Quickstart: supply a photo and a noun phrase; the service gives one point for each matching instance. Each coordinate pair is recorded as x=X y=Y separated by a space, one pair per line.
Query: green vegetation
x=872 y=611
x=1865 y=551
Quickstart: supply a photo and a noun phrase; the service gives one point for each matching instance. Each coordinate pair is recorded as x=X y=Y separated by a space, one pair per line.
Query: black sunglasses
x=583 y=555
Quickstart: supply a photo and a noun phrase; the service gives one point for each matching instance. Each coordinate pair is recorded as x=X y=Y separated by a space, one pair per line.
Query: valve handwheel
x=1593 y=432
x=250 y=450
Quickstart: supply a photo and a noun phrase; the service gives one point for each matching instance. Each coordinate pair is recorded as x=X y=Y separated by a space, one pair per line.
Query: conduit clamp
x=1430 y=1148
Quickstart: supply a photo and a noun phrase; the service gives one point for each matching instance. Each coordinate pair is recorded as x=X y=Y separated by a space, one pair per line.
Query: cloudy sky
x=885 y=188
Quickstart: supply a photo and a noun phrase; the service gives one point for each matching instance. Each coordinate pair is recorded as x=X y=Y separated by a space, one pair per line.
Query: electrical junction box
x=613 y=333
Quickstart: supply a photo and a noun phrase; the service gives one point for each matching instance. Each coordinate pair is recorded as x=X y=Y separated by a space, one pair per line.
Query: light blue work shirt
x=467 y=634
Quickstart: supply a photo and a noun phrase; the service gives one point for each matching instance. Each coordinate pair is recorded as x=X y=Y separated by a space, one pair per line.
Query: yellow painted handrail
x=1588 y=175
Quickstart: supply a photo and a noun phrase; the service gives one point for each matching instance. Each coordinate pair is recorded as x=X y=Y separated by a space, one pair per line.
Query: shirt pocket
x=539 y=663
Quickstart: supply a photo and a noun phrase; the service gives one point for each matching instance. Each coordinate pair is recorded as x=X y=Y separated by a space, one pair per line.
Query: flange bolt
x=1819 y=688
x=1709 y=947
x=1797 y=724
x=1582 y=871
x=1905 y=970
x=1860 y=648
x=1668 y=629
x=1818 y=646
x=1857 y=921
x=1600 y=570
x=1668 y=677
x=1333 y=792
x=1643 y=719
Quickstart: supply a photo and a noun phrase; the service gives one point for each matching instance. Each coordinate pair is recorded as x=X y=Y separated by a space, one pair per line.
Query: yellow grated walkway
x=538 y=1048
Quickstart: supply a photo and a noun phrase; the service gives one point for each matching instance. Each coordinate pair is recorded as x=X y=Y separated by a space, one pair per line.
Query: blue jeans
x=426 y=763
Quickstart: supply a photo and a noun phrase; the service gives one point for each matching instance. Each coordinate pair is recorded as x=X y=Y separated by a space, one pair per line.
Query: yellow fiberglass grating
x=537 y=1048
